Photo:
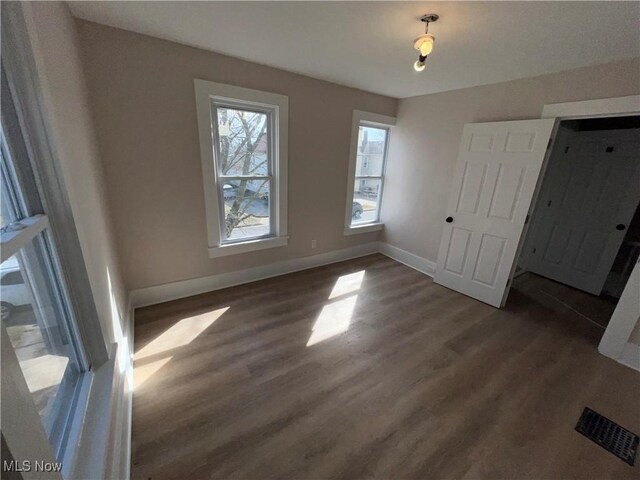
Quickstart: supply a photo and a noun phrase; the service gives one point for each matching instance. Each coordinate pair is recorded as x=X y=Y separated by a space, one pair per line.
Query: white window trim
x=12 y=241
x=364 y=228
x=22 y=427
x=206 y=92
x=374 y=120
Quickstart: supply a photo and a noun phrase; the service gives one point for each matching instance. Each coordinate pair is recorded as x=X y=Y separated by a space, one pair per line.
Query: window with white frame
x=367 y=164
x=243 y=141
x=55 y=360
x=35 y=305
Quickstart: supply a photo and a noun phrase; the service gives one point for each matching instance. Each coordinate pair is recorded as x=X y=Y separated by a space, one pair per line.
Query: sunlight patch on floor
x=335 y=317
x=347 y=284
x=179 y=335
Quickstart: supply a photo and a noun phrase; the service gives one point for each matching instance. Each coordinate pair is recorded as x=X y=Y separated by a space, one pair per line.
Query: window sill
x=88 y=444
x=369 y=227
x=249 y=246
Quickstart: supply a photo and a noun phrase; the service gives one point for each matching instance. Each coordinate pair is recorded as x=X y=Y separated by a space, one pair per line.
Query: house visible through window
x=243 y=140
x=370 y=134
x=369 y=174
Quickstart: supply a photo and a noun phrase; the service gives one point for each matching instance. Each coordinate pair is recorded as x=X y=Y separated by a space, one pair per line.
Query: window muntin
x=371 y=154
x=243 y=144
x=35 y=307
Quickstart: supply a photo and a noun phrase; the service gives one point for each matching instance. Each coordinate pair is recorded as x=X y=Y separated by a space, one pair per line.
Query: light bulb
x=424 y=43
x=419 y=66
x=427 y=45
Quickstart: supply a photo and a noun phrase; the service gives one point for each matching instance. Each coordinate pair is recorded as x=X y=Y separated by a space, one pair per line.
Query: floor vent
x=609 y=435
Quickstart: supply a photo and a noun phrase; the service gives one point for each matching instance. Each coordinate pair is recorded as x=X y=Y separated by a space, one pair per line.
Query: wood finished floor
x=564 y=298
x=424 y=383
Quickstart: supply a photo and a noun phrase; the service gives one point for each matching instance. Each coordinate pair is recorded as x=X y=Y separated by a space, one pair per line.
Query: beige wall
x=143 y=100
x=425 y=142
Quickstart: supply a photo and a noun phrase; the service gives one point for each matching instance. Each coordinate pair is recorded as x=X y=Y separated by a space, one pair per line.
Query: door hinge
x=549 y=143
x=526 y=220
x=534 y=250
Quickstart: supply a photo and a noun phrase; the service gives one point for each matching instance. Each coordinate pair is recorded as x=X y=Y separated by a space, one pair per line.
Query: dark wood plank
x=424 y=383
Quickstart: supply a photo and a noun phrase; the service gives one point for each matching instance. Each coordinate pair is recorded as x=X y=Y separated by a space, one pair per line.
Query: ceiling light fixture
x=424 y=43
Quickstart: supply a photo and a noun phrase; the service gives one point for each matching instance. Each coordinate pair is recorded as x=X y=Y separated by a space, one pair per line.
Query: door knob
x=449 y=219
x=620 y=226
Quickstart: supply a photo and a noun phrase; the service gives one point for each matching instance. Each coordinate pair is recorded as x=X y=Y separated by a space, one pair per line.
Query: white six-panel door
x=494 y=182
x=588 y=197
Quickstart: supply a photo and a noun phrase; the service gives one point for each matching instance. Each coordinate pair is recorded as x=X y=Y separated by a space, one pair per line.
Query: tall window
x=370 y=163
x=369 y=146
x=243 y=147
x=243 y=140
x=36 y=312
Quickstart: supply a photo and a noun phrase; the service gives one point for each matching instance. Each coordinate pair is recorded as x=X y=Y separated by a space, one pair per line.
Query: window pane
x=35 y=318
x=246 y=208
x=5 y=215
x=8 y=207
x=371 y=149
x=243 y=142
x=366 y=193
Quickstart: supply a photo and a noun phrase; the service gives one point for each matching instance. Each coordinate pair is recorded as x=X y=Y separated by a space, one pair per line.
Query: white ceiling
x=368 y=45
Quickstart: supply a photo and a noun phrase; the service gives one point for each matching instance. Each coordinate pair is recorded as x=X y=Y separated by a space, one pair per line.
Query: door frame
x=603 y=107
x=616 y=335
x=543 y=218
x=615 y=342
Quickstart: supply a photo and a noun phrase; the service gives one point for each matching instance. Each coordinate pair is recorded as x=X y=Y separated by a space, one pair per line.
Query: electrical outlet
x=313 y=244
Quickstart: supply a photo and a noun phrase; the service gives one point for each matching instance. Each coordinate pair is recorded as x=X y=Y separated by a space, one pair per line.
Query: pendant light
x=424 y=43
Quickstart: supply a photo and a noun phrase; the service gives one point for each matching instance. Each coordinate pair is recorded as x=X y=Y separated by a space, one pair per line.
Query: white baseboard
x=409 y=259
x=172 y=291
x=119 y=465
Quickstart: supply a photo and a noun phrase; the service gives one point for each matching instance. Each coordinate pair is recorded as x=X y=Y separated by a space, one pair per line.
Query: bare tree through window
x=244 y=160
